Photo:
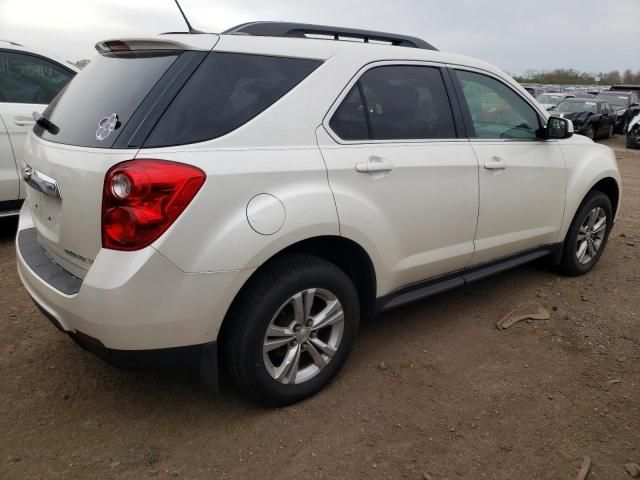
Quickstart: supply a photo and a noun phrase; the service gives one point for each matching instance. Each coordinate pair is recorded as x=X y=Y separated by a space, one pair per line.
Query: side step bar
x=434 y=286
x=9 y=213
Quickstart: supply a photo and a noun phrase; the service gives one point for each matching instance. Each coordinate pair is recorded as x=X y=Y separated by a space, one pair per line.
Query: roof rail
x=303 y=30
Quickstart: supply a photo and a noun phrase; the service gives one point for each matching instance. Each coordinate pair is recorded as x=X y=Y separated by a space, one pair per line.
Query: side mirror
x=634 y=105
x=557 y=128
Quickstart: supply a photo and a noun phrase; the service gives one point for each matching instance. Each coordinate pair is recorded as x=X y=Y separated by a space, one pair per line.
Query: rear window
x=225 y=92
x=110 y=84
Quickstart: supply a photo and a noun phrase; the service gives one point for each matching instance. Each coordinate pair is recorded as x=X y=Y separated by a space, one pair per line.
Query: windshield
x=571 y=106
x=548 y=98
x=615 y=99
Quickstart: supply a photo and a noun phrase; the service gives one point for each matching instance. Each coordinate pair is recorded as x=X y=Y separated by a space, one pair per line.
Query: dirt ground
x=432 y=391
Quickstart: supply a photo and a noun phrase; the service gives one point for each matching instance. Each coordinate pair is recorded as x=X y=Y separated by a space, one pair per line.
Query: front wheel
x=291 y=330
x=588 y=234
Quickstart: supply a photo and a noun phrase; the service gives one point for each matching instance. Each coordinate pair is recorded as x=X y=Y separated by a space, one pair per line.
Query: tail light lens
x=142 y=198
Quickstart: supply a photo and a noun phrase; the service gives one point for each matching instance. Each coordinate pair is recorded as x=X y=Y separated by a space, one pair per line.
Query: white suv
x=29 y=80
x=244 y=199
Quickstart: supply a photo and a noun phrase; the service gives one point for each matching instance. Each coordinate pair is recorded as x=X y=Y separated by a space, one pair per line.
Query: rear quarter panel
x=214 y=234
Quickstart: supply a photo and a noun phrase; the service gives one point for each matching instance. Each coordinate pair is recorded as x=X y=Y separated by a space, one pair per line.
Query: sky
x=516 y=35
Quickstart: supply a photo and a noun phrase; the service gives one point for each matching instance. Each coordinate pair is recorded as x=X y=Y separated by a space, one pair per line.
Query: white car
x=29 y=80
x=550 y=100
x=243 y=199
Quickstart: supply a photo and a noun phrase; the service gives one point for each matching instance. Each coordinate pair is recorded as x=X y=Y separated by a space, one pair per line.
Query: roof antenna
x=186 y=20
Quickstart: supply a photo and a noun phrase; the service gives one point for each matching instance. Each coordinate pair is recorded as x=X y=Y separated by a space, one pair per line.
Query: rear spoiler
x=203 y=42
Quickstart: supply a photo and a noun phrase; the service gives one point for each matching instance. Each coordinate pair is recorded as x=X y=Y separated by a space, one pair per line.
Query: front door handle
x=23 y=122
x=496 y=164
x=375 y=165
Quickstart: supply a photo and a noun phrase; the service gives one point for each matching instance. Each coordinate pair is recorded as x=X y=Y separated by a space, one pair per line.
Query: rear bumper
x=134 y=301
x=179 y=359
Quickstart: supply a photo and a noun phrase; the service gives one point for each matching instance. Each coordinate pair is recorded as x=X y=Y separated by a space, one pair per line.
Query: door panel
x=521 y=205
x=9 y=183
x=417 y=220
x=406 y=188
x=18 y=119
x=522 y=178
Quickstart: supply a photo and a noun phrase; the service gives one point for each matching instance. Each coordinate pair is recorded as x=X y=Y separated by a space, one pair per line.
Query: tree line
x=563 y=76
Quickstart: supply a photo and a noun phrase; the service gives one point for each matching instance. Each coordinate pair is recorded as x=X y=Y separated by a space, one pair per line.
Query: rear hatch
x=100 y=119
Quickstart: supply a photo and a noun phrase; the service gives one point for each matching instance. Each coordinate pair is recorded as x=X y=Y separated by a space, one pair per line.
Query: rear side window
x=400 y=102
x=350 y=121
x=227 y=91
x=110 y=84
x=28 y=78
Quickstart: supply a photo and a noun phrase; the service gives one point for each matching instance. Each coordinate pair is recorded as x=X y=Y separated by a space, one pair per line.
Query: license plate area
x=45 y=211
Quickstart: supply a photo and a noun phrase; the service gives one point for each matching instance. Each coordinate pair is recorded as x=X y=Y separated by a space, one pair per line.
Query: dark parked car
x=533 y=91
x=633 y=135
x=591 y=118
x=623 y=103
x=626 y=88
x=549 y=100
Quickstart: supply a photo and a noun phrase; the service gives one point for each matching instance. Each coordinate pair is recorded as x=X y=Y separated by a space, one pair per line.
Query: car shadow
x=8 y=228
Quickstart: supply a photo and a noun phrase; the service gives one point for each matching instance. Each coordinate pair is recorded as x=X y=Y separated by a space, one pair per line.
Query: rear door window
x=350 y=120
x=396 y=102
x=407 y=102
x=227 y=91
x=110 y=84
x=28 y=78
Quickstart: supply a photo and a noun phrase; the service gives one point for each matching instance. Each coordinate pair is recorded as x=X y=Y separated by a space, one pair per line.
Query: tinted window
x=30 y=79
x=226 y=91
x=496 y=110
x=350 y=121
x=407 y=102
x=617 y=100
x=109 y=84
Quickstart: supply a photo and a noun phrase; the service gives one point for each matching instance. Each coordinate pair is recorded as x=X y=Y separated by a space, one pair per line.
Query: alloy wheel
x=303 y=336
x=591 y=235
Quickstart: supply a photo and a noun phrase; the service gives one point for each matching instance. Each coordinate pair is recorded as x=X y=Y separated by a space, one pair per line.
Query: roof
x=10 y=45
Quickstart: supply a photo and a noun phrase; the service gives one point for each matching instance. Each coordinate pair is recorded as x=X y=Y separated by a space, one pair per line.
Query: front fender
x=587 y=164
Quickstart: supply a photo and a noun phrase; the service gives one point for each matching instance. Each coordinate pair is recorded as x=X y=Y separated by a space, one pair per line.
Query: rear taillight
x=142 y=198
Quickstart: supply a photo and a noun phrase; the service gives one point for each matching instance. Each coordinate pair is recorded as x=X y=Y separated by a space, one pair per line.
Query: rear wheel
x=291 y=330
x=610 y=132
x=588 y=234
x=590 y=133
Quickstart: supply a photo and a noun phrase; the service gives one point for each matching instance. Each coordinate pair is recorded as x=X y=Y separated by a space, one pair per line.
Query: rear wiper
x=45 y=123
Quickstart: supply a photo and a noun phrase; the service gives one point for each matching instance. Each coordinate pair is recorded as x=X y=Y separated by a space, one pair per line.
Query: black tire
x=569 y=263
x=624 y=126
x=610 y=132
x=628 y=143
x=591 y=133
x=254 y=309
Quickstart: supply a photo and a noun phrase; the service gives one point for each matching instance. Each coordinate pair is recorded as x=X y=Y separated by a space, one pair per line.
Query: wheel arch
x=346 y=254
x=609 y=186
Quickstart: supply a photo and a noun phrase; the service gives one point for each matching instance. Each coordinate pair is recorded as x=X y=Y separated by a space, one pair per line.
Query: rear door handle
x=496 y=164
x=375 y=165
